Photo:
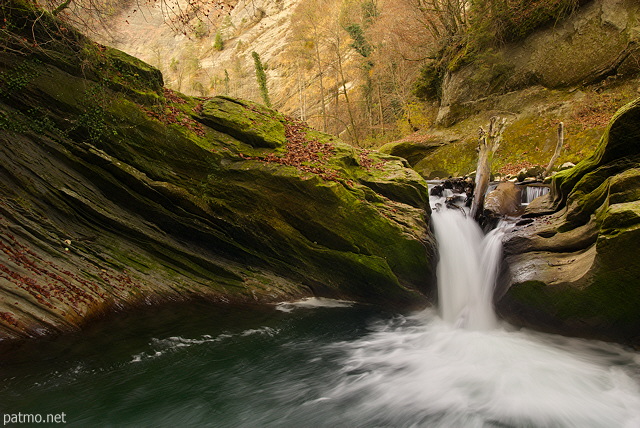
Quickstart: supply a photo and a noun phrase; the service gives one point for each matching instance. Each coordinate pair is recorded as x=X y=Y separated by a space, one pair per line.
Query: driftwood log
x=488 y=143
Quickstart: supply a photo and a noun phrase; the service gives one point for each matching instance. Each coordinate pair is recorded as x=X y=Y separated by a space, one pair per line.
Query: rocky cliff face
x=600 y=40
x=575 y=269
x=578 y=71
x=115 y=191
x=191 y=62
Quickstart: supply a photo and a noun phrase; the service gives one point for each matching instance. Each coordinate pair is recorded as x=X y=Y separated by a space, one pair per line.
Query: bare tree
x=307 y=35
x=443 y=18
x=180 y=15
x=337 y=45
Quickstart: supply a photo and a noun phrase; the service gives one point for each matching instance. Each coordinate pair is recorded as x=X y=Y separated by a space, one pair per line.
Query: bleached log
x=488 y=143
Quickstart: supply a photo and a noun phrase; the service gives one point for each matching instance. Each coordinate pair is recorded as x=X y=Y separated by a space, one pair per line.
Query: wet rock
x=530 y=174
x=566 y=165
x=437 y=190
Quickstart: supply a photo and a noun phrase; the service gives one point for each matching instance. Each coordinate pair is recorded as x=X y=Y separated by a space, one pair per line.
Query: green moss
x=625 y=187
x=119 y=164
x=428 y=85
x=15 y=79
x=532 y=294
x=617 y=151
x=458 y=159
x=584 y=201
x=257 y=125
x=620 y=217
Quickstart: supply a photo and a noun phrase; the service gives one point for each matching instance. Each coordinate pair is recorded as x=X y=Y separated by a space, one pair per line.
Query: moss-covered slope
x=576 y=268
x=115 y=191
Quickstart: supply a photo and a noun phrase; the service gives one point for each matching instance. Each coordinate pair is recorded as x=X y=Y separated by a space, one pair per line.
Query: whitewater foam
x=467 y=269
x=313 y=302
x=428 y=372
x=172 y=344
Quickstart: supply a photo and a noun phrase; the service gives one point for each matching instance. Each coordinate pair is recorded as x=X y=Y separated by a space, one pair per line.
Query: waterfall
x=533 y=192
x=468 y=268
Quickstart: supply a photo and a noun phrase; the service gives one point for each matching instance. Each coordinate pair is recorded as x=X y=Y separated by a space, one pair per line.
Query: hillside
x=578 y=68
x=345 y=67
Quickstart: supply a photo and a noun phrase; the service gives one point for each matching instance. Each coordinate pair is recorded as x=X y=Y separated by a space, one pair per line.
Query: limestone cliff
x=115 y=191
x=579 y=70
x=192 y=63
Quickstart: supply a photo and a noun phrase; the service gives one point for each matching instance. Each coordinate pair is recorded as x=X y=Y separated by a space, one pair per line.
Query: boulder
x=533 y=172
x=504 y=200
x=417 y=148
x=412 y=151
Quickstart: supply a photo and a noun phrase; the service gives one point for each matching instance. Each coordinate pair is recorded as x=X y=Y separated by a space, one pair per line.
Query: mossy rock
x=618 y=150
x=413 y=152
x=244 y=120
x=135 y=69
x=577 y=271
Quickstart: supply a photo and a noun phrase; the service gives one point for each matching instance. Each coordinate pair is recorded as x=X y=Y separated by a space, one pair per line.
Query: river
x=320 y=364
x=324 y=363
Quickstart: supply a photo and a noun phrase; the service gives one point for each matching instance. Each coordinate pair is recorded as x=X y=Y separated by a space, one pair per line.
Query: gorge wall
x=573 y=265
x=579 y=71
x=189 y=59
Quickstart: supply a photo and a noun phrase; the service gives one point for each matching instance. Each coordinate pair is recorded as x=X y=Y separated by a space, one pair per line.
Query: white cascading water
x=532 y=192
x=425 y=371
x=468 y=268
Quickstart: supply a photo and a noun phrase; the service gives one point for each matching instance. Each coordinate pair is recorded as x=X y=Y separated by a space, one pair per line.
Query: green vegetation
x=200 y=30
x=360 y=43
x=139 y=193
x=218 y=43
x=261 y=78
x=506 y=21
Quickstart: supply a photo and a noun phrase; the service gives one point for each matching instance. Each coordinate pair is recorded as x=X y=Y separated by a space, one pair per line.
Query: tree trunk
x=321 y=77
x=380 y=107
x=488 y=144
x=354 y=131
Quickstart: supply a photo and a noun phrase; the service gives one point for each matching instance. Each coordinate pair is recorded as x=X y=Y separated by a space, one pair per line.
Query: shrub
x=218 y=43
